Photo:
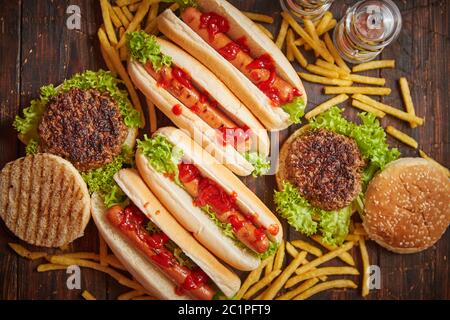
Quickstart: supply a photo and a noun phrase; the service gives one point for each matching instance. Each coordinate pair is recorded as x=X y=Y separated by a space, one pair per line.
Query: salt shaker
x=306 y=9
x=366 y=29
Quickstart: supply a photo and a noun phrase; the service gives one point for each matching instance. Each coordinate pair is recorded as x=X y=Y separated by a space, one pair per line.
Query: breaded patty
x=84 y=127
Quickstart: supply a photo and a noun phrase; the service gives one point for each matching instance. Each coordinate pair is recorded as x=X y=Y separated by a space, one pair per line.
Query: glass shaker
x=366 y=29
x=302 y=9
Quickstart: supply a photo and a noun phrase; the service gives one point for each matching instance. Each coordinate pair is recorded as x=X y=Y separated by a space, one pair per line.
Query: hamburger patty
x=326 y=167
x=84 y=127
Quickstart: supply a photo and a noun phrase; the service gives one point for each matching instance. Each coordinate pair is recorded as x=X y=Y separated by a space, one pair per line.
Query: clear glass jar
x=366 y=29
x=310 y=9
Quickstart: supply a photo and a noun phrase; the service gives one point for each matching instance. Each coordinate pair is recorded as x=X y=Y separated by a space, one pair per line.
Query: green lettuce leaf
x=369 y=135
x=32 y=147
x=162 y=155
x=295 y=209
x=144 y=47
x=100 y=80
x=273 y=246
x=183 y=3
x=260 y=163
x=101 y=179
x=295 y=109
x=226 y=228
x=334 y=225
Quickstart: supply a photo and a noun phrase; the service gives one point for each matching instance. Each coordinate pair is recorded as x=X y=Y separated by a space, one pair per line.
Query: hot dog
x=248 y=62
x=195 y=100
x=155 y=249
x=207 y=199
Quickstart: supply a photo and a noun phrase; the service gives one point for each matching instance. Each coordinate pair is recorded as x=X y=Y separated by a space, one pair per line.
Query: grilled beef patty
x=84 y=127
x=326 y=167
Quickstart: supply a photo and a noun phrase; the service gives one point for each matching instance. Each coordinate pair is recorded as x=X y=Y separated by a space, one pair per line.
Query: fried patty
x=84 y=127
x=326 y=167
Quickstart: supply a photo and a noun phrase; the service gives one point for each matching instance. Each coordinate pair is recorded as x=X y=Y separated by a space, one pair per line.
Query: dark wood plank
x=9 y=100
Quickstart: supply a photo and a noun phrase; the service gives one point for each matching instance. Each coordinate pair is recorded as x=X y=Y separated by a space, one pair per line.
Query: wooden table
x=36 y=48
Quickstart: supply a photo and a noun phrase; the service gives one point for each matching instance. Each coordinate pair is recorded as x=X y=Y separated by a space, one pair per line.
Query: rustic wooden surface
x=36 y=48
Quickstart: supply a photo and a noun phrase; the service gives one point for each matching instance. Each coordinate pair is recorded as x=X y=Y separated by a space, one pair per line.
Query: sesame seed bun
x=407 y=206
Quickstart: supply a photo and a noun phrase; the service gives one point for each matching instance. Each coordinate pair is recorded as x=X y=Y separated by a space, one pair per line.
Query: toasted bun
x=179 y=32
x=188 y=120
x=407 y=205
x=195 y=220
x=44 y=200
x=133 y=186
x=150 y=277
x=130 y=140
x=281 y=174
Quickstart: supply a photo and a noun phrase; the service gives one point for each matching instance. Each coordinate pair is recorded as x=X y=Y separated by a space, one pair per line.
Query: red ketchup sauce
x=214 y=23
x=231 y=50
x=177 y=110
x=132 y=219
x=182 y=76
x=234 y=136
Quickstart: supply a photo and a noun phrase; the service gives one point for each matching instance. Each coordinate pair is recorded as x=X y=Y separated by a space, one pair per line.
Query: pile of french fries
x=331 y=70
x=303 y=276
x=103 y=262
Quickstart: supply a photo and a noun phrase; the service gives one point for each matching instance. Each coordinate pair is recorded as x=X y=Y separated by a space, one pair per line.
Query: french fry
x=365 y=107
x=269 y=265
x=152 y=116
x=325 y=286
x=301 y=288
x=25 y=253
x=388 y=109
x=333 y=51
x=134 y=7
x=50 y=267
x=359 y=230
x=252 y=277
x=326 y=65
x=345 y=256
x=293 y=253
x=282 y=33
x=378 y=64
x=352 y=237
x=401 y=136
x=258 y=17
x=114 y=18
x=265 y=30
x=326 y=257
x=122 y=17
x=153 y=12
x=378 y=91
x=297 y=54
x=303 y=245
x=279 y=257
x=261 y=284
x=114 y=262
x=366 y=80
x=104 y=4
x=324 y=80
x=289 y=54
x=115 y=60
x=81 y=255
x=289 y=39
x=140 y=14
x=122 y=3
x=123 y=51
x=301 y=32
x=96 y=266
x=103 y=251
x=87 y=295
x=309 y=26
x=366 y=266
x=322 y=71
x=326 y=105
x=327 y=271
x=127 y=13
x=437 y=164
x=152 y=27
x=326 y=18
x=329 y=27
x=130 y=295
x=407 y=100
x=273 y=289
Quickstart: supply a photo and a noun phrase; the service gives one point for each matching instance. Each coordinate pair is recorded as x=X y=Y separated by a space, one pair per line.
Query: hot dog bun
x=133 y=186
x=190 y=121
x=180 y=203
x=175 y=29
